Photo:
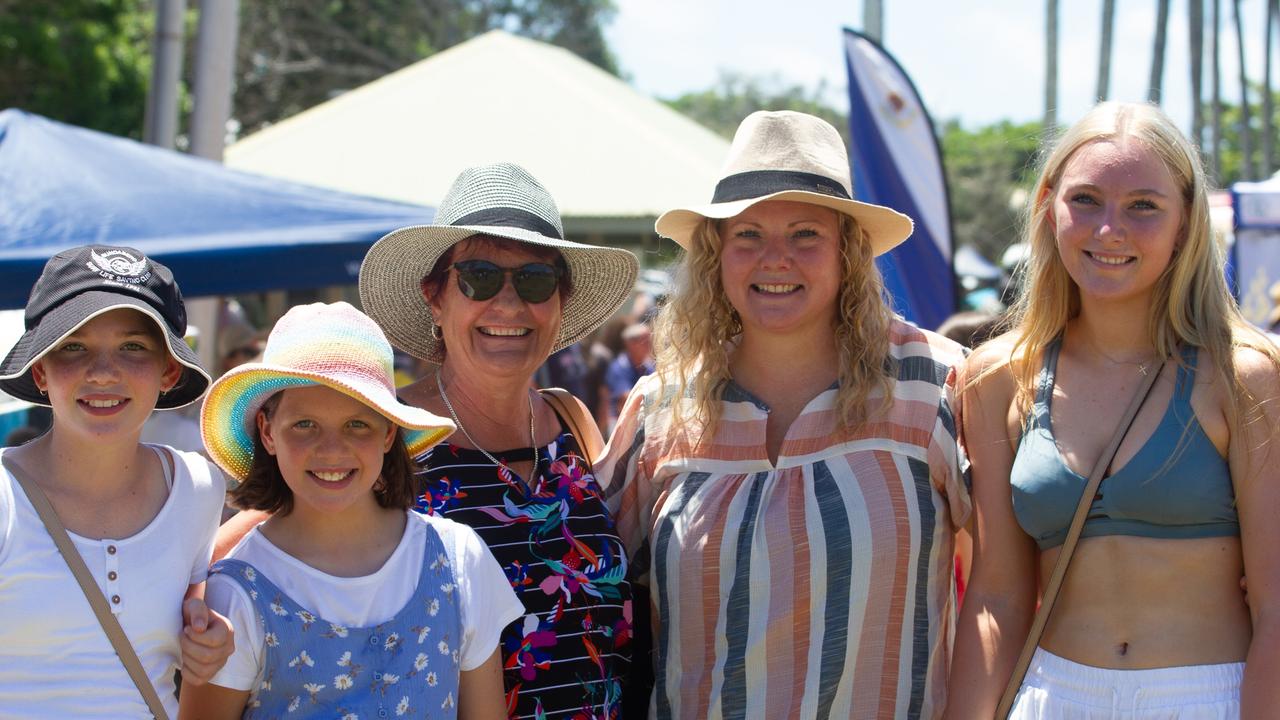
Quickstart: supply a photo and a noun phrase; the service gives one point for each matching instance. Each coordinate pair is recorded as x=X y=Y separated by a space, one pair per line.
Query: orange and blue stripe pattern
x=819 y=586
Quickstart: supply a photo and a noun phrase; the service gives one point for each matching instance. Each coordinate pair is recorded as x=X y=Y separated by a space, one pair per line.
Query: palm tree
x=1104 y=49
x=1246 y=147
x=873 y=19
x=1217 y=91
x=1051 y=66
x=1195 y=23
x=1155 y=87
x=1273 y=14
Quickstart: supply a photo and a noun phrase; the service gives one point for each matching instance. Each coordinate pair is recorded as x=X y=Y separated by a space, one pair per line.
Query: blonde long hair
x=1191 y=302
x=697 y=327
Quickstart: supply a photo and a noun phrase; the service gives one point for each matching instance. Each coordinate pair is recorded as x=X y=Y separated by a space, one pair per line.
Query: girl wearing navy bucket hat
x=93 y=522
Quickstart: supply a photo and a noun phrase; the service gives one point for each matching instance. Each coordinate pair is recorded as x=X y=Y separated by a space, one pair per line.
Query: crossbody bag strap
x=1069 y=544
x=583 y=427
x=89 y=586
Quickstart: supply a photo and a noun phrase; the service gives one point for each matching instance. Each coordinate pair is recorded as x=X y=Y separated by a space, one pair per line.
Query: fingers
x=204 y=652
x=195 y=615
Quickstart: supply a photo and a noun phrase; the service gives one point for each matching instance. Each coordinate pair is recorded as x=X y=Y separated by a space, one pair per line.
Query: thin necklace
x=533 y=442
x=1142 y=366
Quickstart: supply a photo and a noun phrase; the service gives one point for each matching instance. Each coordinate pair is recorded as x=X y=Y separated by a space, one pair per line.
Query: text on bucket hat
x=336 y=346
x=500 y=200
x=786 y=155
x=82 y=283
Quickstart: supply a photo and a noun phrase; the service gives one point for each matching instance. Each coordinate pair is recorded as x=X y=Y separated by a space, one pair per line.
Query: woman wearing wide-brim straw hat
x=790 y=475
x=486 y=294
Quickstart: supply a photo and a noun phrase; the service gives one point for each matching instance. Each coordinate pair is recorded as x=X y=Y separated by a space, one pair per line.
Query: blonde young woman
x=788 y=482
x=1151 y=620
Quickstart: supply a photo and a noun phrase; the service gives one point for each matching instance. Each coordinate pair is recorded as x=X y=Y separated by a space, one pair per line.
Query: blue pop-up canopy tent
x=221 y=231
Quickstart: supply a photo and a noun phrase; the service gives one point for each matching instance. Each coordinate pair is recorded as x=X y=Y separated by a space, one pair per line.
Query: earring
x=43 y=392
x=436 y=332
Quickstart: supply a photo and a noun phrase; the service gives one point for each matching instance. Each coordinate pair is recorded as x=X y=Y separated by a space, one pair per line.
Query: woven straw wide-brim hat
x=82 y=283
x=501 y=200
x=335 y=346
x=787 y=155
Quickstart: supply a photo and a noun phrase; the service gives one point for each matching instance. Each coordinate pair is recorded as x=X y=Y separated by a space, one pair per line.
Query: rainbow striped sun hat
x=336 y=346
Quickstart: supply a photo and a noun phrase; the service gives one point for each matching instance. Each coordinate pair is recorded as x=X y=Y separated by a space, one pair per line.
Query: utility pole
x=160 y=121
x=215 y=68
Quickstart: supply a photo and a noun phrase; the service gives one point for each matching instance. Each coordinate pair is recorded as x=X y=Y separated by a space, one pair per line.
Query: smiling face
x=503 y=336
x=329 y=447
x=1117 y=214
x=103 y=379
x=780 y=266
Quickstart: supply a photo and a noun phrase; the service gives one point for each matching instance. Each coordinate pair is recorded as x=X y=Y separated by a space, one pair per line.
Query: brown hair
x=265 y=489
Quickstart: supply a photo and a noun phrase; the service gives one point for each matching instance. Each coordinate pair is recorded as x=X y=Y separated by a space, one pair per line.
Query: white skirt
x=1058 y=689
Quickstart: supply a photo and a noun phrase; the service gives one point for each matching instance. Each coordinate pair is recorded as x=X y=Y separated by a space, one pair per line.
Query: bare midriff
x=1133 y=603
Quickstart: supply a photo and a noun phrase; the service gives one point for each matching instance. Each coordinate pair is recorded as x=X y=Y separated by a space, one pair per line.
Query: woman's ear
x=1045 y=199
x=431 y=297
x=390 y=439
x=264 y=432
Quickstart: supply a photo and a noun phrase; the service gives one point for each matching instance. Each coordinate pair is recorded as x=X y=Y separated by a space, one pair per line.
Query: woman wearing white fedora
x=788 y=482
x=487 y=293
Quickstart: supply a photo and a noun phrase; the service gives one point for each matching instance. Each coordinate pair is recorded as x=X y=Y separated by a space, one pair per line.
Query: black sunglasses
x=534 y=282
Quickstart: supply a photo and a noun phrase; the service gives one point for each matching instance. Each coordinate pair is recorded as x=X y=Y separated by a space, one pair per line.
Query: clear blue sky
x=976 y=60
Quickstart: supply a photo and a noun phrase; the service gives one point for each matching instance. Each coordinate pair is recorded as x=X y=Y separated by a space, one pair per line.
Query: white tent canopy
x=613 y=158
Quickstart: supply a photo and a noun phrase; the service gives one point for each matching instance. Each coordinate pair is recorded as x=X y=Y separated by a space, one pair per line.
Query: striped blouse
x=821 y=586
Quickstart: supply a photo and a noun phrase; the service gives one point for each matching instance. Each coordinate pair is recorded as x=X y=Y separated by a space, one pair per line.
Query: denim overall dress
x=406 y=667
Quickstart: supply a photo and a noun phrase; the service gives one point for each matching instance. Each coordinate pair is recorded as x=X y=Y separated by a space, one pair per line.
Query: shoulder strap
x=1069 y=545
x=584 y=428
x=110 y=625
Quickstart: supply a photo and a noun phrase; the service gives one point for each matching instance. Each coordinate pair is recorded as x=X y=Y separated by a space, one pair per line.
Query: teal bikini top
x=1176 y=486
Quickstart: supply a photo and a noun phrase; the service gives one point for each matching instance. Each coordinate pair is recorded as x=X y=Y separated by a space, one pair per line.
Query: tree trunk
x=1246 y=144
x=1051 y=66
x=1216 y=49
x=1104 y=49
x=1156 y=87
x=1195 y=23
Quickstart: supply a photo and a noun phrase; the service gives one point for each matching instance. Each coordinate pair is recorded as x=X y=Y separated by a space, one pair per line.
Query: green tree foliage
x=85 y=62
x=989 y=171
x=1232 y=149
x=294 y=54
x=723 y=106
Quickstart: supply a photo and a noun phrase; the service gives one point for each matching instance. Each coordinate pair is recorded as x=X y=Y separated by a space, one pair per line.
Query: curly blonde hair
x=1191 y=302
x=697 y=328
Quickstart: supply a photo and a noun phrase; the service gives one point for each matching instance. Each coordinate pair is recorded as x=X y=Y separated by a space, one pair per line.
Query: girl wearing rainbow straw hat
x=346 y=604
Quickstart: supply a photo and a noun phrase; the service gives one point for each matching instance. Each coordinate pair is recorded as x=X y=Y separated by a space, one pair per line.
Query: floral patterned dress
x=406 y=667
x=556 y=542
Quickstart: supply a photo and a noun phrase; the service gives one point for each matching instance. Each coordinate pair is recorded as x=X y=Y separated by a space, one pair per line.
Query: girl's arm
x=480 y=691
x=211 y=702
x=233 y=530
x=1255 y=467
x=999 y=602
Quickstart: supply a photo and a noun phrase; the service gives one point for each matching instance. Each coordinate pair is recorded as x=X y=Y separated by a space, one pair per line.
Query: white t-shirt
x=486 y=601
x=55 y=659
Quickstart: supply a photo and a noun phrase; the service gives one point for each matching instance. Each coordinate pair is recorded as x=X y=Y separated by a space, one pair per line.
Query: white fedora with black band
x=786 y=155
x=500 y=200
